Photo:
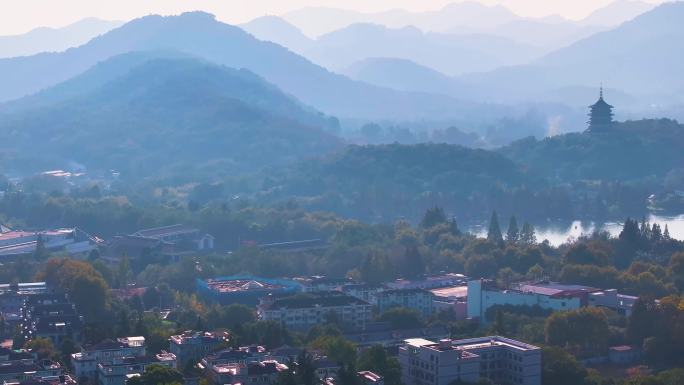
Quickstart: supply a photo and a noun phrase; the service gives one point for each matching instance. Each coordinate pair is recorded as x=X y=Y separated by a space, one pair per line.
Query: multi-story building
x=51 y=316
x=303 y=312
x=85 y=362
x=118 y=370
x=12 y=298
x=365 y=291
x=502 y=360
x=192 y=346
x=28 y=370
x=264 y=372
x=244 y=289
x=75 y=242
x=416 y=299
x=483 y=294
x=429 y=281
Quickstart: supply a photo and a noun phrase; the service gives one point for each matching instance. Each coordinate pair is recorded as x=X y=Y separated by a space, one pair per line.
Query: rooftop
x=321 y=299
x=235 y=285
x=166 y=231
x=451 y=292
x=554 y=288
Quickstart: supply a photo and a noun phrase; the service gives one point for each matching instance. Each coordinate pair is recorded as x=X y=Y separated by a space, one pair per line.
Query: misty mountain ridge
x=46 y=39
x=199 y=113
x=199 y=34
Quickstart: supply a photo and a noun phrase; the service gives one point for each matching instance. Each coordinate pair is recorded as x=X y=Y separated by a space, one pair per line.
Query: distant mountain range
x=54 y=39
x=469 y=16
x=163 y=112
x=199 y=34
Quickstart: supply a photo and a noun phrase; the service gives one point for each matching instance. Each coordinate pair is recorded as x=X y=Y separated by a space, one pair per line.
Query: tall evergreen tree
x=432 y=217
x=414 y=266
x=494 y=232
x=527 y=235
x=666 y=233
x=512 y=234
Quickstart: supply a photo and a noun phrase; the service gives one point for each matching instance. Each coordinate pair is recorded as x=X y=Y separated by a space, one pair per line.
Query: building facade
x=502 y=360
x=192 y=346
x=303 y=312
x=416 y=299
x=86 y=361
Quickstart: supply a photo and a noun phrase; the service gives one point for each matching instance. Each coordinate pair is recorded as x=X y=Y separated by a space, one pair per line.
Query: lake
x=557 y=234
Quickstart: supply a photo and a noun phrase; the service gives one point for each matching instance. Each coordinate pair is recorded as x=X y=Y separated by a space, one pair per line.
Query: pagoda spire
x=600 y=115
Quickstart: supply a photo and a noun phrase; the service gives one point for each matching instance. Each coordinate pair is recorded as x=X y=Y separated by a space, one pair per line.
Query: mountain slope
x=640 y=56
x=279 y=31
x=54 y=39
x=165 y=114
x=617 y=12
x=401 y=74
x=199 y=34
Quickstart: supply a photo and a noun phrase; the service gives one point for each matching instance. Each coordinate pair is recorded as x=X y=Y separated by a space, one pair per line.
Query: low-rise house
x=502 y=360
x=416 y=299
x=118 y=370
x=613 y=300
x=86 y=361
x=192 y=346
x=304 y=311
x=63 y=379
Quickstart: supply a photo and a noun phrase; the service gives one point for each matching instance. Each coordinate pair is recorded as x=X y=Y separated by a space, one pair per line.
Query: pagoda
x=600 y=115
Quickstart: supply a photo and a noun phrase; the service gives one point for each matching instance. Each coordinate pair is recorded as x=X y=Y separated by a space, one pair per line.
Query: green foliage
x=157 y=375
x=561 y=368
x=336 y=348
x=376 y=360
x=494 y=231
x=584 y=330
x=401 y=318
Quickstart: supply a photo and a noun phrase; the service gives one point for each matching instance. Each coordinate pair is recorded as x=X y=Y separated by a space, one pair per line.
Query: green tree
x=527 y=235
x=413 y=266
x=336 y=348
x=376 y=360
x=494 y=232
x=561 y=368
x=433 y=216
x=585 y=329
x=401 y=318
x=512 y=234
x=157 y=375
x=42 y=346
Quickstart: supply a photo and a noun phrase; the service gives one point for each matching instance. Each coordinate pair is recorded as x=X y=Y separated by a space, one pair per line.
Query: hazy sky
x=18 y=16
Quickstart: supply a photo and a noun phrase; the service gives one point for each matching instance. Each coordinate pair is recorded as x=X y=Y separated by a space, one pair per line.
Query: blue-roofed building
x=244 y=289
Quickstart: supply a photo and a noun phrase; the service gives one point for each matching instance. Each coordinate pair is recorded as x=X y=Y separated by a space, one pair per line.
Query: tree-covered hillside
x=162 y=115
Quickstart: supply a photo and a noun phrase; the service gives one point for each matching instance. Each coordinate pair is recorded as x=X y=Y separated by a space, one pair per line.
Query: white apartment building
x=502 y=360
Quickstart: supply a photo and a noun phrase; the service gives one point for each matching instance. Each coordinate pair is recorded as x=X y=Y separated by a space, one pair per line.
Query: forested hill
x=633 y=151
x=387 y=182
x=176 y=115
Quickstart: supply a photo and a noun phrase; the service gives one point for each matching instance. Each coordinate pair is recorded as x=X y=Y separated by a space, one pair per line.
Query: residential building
x=502 y=360
x=85 y=362
x=264 y=372
x=483 y=294
x=51 y=316
x=613 y=300
x=72 y=241
x=28 y=370
x=303 y=312
x=364 y=291
x=192 y=346
x=321 y=283
x=429 y=281
x=416 y=299
x=62 y=379
x=118 y=370
x=168 y=242
x=381 y=333
x=244 y=289
x=451 y=298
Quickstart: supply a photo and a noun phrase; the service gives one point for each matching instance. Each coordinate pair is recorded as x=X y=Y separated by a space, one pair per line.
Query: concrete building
x=502 y=360
x=86 y=361
x=12 y=299
x=364 y=291
x=72 y=241
x=264 y=372
x=119 y=370
x=429 y=281
x=613 y=300
x=192 y=346
x=244 y=289
x=183 y=237
x=483 y=294
x=22 y=366
x=303 y=312
x=51 y=316
x=451 y=298
x=416 y=299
